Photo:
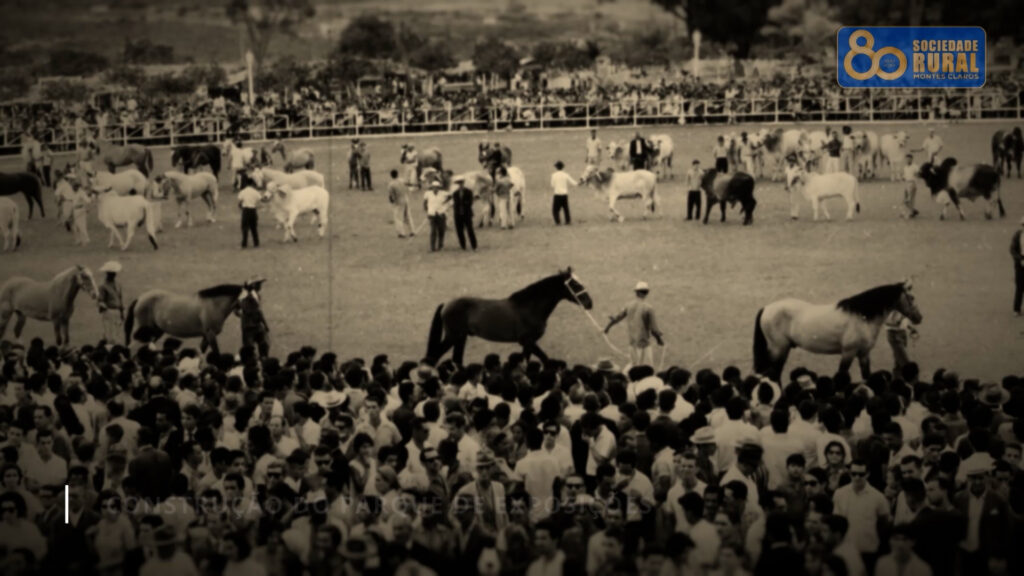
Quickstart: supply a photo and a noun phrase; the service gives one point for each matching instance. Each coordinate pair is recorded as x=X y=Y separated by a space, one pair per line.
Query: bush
x=69 y=62
x=65 y=91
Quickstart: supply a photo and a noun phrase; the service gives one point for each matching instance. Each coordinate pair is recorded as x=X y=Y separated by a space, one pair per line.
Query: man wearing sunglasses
x=865 y=508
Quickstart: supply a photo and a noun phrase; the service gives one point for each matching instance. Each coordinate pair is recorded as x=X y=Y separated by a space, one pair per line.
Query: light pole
x=696 y=53
x=248 y=69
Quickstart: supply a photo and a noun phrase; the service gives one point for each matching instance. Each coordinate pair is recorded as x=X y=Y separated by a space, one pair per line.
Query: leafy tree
x=494 y=57
x=565 y=55
x=145 y=52
x=263 y=19
x=370 y=37
x=65 y=91
x=13 y=84
x=286 y=72
x=735 y=24
x=69 y=62
x=124 y=75
x=805 y=24
x=346 y=70
x=432 y=57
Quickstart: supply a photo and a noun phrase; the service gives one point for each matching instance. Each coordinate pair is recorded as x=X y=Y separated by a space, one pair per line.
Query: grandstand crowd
x=183 y=464
x=140 y=113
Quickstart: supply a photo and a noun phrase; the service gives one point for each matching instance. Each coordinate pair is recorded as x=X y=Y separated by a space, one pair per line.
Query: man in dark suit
x=639 y=152
x=939 y=528
x=151 y=468
x=71 y=543
x=988 y=518
x=462 y=205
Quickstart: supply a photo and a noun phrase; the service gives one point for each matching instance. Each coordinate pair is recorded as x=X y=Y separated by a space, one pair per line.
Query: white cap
x=642 y=286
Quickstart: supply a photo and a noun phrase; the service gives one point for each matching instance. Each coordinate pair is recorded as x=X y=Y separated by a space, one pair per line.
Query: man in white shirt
x=864 y=506
x=249 y=200
x=600 y=442
x=560 y=182
x=779 y=445
x=593 y=146
x=455 y=423
x=435 y=202
x=703 y=533
x=49 y=468
x=635 y=484
x=729 y=433
x=805 y=427
x=687 y=483
x=931 y=146
x=550 y=558
x=556 y=450
x=538 y=471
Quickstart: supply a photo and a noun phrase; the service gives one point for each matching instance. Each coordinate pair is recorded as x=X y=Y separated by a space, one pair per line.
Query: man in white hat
x=642 y=325
x=410 y=160
x=435 y=202
x=1018 y=268
x=110 y=302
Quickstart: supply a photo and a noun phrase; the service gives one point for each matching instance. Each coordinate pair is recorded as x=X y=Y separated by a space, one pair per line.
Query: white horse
x=818 y=187
x=127 y=212
x=9 y=223
x=184 y=187
x=288 y=204
x=633 y=184
x=298 y=179
x=130 y=181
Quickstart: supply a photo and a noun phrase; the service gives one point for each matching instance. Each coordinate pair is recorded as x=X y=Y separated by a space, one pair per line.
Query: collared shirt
x=975 y=505
x=641 y=485
x=560 y=182
x=397 y=192
x=437 y=202
x=538 y=472
x=604 y=444
x=777 y=449
x=110 y=296
x=693 y=178
x=862 y=509
x=641 y=322
x=249 y=197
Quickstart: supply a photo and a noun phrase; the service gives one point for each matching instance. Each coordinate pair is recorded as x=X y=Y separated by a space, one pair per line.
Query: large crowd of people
x=179 y=463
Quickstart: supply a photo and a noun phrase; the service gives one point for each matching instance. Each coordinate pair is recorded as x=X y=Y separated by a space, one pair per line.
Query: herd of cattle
x=131 y=197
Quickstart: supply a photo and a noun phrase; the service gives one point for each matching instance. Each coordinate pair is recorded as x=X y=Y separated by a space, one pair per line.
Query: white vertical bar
x=67 y=506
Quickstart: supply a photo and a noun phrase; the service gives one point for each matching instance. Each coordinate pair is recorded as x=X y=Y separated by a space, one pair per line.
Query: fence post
x=919 y=110
x=541 y=110
x=310 y=118
x=776 y=109
x=634 y=112
x=871 y=107
x=587 y=111
x=170 y=131
x=1018 y=104
x=824 y=109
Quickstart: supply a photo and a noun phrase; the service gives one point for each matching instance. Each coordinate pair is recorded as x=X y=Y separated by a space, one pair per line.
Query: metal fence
x=919 y=106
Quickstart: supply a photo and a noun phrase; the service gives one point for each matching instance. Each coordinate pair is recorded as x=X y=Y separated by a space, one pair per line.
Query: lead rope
x=611 y=346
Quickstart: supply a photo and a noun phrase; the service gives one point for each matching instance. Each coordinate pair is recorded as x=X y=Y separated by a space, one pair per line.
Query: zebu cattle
x=949 y=183
x=288 y=204
x=9 y=223
x=865 y=152
x=299 y=179
x=729 y=188
x=818 y=187
x=814 y=147
x=618 y=156
x=663 y=150
x=127 y=182
x=632 y=184
x=892 y=149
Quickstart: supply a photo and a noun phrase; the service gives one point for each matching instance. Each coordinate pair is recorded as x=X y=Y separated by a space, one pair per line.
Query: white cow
x=865 y=152
x=814 y=146
x=9 y=223
x=288 y=204
x=893 y=148
x=663 y=150
x=818 y=187
x=633 y=184
x=130 y=181
x=297 y=179
x=127 y=212
x=617 y=155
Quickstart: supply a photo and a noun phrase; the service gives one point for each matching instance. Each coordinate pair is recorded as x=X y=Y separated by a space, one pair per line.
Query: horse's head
x=575 y=290
x=277 y=146
x=906 y=304
x=84 y=280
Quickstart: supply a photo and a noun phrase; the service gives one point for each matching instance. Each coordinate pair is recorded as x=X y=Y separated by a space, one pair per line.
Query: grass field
x=364 y=291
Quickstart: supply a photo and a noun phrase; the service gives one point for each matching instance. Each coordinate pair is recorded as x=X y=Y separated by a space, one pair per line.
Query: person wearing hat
x=435 y=202
x=1018 y=268
x=255 y=330
x=640 y=319
x=398 y=197
x=410 y=160
x=110 y=302
x=693 y=195
x=560 y=182
x=462 y=207
x=988 y=516
x=491 y=512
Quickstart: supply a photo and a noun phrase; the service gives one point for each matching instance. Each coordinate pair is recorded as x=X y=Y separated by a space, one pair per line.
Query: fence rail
x=918 y=106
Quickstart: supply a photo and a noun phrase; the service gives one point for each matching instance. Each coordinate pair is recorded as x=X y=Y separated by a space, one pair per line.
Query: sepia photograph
x=511 y=288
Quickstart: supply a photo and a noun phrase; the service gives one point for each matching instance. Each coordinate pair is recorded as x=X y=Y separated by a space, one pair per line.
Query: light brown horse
x=199 y=315
x=133 y=154
x=299 y=159
x=52 y=301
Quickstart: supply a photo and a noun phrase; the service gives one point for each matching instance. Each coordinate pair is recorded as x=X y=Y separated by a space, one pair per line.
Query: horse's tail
x=762 y=356
x=129 y=321
x=436 y=334
x=14 y=228
x=147 y=161
x=33 y=191
x=149 y=217
x=856 y=195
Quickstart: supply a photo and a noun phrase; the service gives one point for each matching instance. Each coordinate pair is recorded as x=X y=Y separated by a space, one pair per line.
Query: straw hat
x=642 y=286
x=993 y=395
x=606 y=365
x=977 y=464
x=111 y=266
x=704 y=435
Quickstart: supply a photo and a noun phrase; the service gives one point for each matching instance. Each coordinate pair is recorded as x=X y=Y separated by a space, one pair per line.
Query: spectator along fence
x=869 y=107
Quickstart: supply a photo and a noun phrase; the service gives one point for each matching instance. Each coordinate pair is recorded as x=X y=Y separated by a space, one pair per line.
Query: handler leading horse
x=850 y=327
x=52 y=301
x=521 y=318
x=200 y=315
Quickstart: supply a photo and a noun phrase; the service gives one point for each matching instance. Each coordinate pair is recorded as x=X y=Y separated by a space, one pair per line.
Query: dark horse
x=522 y=317
x=1007 y=149
x=849 y=327
x=26 y=183
x=192 y=157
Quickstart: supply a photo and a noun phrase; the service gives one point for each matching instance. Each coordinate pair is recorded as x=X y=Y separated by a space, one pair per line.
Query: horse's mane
x=874 y=302
x=538 y=288
x=232 y=290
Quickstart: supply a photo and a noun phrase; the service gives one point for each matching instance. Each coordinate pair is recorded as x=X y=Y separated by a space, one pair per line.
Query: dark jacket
x=152 y=471
x=939 y=533
x=462 y=202
x=993 y=534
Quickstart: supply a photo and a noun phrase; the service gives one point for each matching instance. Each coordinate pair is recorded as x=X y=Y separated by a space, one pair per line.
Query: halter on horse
x=200 y=315
x=849 y=328
x=53 y=301
x=520 y=318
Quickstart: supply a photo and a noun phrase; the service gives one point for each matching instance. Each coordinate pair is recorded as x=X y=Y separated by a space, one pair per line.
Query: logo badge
x=910 y=57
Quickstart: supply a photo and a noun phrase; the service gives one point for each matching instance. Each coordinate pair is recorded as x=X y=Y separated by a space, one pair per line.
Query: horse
x=27 y=184
x=128 y=212
x=52 y=301
x=124 y=183
x=849 y=327
x=9 y=224
x=193 y=157
x=428 y=158
x=133 y=154
x=183 y=187
x=301 y=159
x=301 y=179
x=199 y=315
x=640 y=184
x=520 y=318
